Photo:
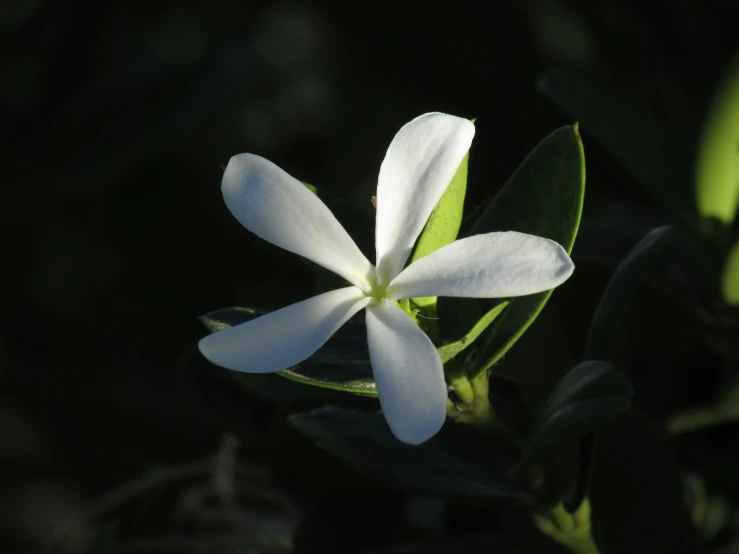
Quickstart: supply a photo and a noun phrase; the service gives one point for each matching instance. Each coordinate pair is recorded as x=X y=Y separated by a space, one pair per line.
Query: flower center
x=376 y=292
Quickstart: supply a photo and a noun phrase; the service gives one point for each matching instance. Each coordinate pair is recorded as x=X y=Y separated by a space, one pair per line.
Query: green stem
x=474 y=405
x=699 y=418
x=573 y=531
x=584 y=545
x=461 y=386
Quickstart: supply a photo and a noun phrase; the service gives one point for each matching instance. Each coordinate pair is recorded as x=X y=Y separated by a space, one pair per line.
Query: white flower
x=418 y=167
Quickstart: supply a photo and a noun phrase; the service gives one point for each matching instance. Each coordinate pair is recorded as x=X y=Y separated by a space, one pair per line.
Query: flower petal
x=492 y=265
x=408 y=372
x=278 y=208
x=284 y=337
x=418 y=167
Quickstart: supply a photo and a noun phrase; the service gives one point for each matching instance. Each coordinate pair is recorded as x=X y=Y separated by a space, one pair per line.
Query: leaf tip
x=576 y=128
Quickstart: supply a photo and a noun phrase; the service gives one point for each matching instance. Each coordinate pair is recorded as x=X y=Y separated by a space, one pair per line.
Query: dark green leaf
x=358 y=222
x=457 y=316
x=543 y=197
x=340 y=364
x=443 y=224
x=662 y=162
x=589 y=395
x=364 y=442
x=449 y=351
x=224 y=318
x=510 y=406
x=578 y=486
x=567 y=473
x=611 y=310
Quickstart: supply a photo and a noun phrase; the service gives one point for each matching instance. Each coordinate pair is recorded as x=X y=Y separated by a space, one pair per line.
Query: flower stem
x=572 y=531
x=699 y=418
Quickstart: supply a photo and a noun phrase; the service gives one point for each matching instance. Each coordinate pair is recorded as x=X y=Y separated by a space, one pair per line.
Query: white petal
x=284 y=337
x=418 y=167
x=493 y=265
x=408 y=372
x=278 y=208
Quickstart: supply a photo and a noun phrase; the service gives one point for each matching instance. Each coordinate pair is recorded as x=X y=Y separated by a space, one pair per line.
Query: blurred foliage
x=116 y=119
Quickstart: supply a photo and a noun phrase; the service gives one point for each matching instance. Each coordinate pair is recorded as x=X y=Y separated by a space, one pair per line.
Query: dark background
x=116 y=120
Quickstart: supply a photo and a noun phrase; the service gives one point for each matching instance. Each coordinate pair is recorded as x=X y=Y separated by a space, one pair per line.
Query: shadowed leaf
x=364 y=442
x=611 y=310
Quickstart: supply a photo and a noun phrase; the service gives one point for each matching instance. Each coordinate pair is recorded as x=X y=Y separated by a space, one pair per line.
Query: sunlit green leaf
x=730 y=277
x=364 y=442
x=543 y=197
x=589 y=395
x=611 y=310
x=443 y=225
x=659 y=159
x=717 y=164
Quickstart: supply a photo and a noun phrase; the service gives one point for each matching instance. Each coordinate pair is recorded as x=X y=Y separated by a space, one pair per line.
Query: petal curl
x=408 y=372
x=278 y=208
x=284 y=337
x=491 y=265
x=417 y=169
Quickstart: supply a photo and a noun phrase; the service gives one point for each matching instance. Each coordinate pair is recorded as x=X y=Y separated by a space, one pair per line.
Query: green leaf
x=580 y=472
x=543 y=197
x=449 y=351
x=364 y=442
x=662 y=162
x=340 y=364
x=567 y=473
x=224 y=318
x=730 y=277
x=358 y=222
x=443 y=224
x=457 y=316
x=717 y=163
x=589 y=395
x=510 y=407
x=611 y=310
